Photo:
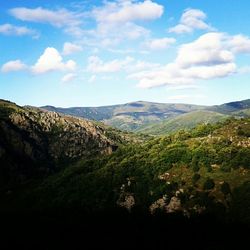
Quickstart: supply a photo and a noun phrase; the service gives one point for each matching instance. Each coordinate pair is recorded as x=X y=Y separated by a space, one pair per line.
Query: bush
x=225 y=167
x=208 y=184
x=195 y=178
x=225 y=188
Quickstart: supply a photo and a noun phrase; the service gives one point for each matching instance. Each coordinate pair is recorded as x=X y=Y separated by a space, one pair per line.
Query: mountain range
x=157 y=118
x=61 y=174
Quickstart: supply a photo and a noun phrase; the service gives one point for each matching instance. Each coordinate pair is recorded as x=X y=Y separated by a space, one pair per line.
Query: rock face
x=34 y=141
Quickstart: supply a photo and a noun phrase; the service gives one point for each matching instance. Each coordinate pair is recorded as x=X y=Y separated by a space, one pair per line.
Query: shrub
x=225 y=167
x=208 y=184
x=195 y=178
x=225 y=188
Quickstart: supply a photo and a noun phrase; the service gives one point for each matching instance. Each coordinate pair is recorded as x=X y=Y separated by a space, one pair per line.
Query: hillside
x=69 y=180
x=128 y=116
x=231 y=107
x=156 y=118
x=185 y=121
x=34 y=142
x=205 y=170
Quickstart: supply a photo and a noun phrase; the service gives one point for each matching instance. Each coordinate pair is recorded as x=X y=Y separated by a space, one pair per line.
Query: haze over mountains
x=151 y=117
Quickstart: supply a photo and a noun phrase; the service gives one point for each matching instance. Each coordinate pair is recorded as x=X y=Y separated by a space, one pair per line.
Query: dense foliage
x=203 y=168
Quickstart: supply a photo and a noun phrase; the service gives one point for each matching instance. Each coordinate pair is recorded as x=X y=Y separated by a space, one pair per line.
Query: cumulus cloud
x=207 y=50
x=12 y=66
x=70 y=48
x=240 y=44
x=12 y=30
x=96 y=65
x=51 y=60
x=68 y=78
x=60 y=18
x=191 y=20
x=117 y=20
x=160 y=43
x=208 y=57
x=127 y=11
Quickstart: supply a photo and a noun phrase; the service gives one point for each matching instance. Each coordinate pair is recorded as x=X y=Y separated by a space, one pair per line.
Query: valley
x=191 y=168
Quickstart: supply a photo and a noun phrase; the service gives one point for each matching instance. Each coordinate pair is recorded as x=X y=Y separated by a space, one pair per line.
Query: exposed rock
x=174 y=205
x=33 y=141
x=127 y=202
x=159 y=204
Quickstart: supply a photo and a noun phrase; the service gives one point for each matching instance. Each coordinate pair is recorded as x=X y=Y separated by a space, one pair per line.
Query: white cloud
x=141 y=65
x=191 y=20
x=12 y=30
x=161 y=43
x=240 y=44
x=96 y=65
x=207 y=50
x=111 y=34
x=127 y=11
x=11 y=66
x=51 y=60
x=68 y=78
x=116 y=21
x=60 y=18
x=70 y=48
x=206 y=58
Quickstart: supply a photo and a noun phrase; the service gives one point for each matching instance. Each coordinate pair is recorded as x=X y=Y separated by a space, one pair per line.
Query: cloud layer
x=210 y=56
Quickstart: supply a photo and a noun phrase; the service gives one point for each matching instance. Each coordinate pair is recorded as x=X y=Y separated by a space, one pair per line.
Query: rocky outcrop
x=34 y=141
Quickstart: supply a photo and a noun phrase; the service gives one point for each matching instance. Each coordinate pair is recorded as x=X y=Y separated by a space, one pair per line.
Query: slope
x=185 y=121
x=128 y=116
x=205 y=170
x=35 y=143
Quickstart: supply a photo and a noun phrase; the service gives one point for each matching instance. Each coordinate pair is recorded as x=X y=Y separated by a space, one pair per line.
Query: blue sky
x=93 y=53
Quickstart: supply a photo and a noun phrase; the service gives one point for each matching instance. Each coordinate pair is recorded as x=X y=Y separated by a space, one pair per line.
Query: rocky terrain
x=62 y=175
x=34 y=141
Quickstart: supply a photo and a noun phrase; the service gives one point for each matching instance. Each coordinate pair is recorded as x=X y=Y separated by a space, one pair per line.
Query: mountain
x=204 y=170
x=231 y=107
x=185 y=121
x=128 y=116
x=70 y=180
x=35 y=142
x=142 y=116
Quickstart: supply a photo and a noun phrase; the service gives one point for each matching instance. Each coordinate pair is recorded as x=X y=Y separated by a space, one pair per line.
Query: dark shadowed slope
x=33 y=141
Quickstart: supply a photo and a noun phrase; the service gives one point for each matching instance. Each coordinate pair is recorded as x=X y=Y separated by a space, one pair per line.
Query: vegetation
x=158 y=118
x=190 y=172
x=184 y=121
x=159 y=168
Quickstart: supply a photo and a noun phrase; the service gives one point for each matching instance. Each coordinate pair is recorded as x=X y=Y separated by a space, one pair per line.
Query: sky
x=94 y=53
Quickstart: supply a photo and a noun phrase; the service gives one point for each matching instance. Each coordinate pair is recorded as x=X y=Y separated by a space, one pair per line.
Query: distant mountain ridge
x=129 y=116
x=136 y=116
